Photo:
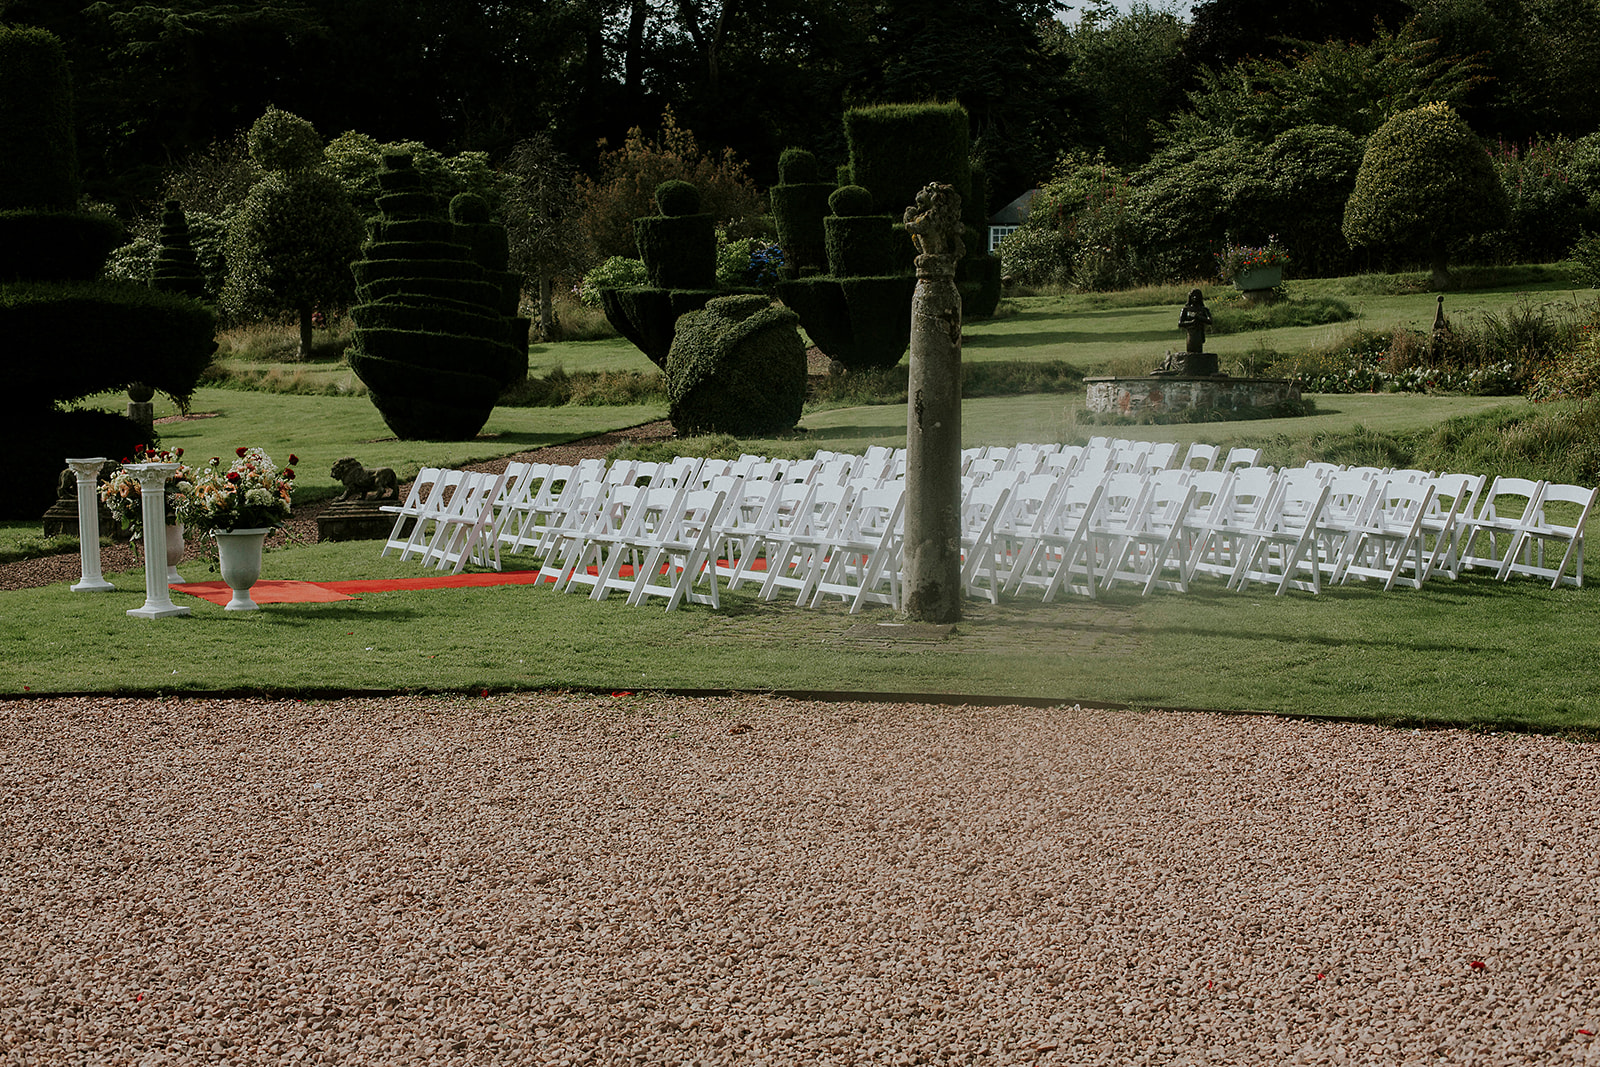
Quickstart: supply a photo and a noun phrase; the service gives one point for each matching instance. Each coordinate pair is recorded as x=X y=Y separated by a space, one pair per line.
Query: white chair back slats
x=408 y=512
x=798 y=549
x=1351 y=497
x=1161 y=456
x=460 y=533
x=1455 y=500
x=1282 y=542
x=1219 y=531
x=1241 y=457
x=633 y=519
x=1556 y=525
x=983 y=567
x=1201 y=457
x=434 y=508
x=1323 y=470
x=1153 y=551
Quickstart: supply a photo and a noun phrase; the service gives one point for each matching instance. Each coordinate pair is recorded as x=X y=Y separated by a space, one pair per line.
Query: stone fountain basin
x=1161 y=394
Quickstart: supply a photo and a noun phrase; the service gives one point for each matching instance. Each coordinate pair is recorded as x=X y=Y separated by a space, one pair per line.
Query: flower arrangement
x=252 y=492
x=1235 y=259
x=122 y=498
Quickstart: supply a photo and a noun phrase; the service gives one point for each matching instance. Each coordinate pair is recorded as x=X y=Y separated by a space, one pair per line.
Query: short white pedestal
x=87 y=472
x=153 y=503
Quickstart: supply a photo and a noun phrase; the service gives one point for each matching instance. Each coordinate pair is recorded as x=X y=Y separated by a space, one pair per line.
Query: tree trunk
x=305 y=334
x=547 y=313
x=1439 y=265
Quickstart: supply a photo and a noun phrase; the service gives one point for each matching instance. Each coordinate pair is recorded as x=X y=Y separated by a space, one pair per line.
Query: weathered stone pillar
x=153 y=502
x=87 y=472
x=932 y=555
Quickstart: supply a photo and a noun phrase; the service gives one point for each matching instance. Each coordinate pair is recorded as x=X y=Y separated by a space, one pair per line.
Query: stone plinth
x=353 y=520
x=1164 y=394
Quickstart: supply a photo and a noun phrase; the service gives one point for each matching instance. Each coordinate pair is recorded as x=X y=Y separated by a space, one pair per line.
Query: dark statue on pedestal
x=1194 y=361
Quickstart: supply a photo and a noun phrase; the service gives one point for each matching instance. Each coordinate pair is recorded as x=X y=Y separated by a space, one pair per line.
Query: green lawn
x=1470 y=651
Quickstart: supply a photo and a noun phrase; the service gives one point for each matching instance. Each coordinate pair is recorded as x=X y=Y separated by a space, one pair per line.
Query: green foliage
x=1298 y=192
x=896 y=149
x=1548 y=208
x=617 y=272
x=1425 y=182
x=679 y=251
x=38 y=154
x=797 y=166
x=850 y=200
x=1277 y=314
x=1569 y=370
x=356 y=159
x=861 y=245
x=433 y=363
x=737 y=367
x=281 y=141
x=56 y=245
x=647 y=316
x=1037 y=256
x=798 y=209
x=176 y=268
x=627 y=177
x=161 y=339
x=290 y=246
x=677 y=197
x=586 y=389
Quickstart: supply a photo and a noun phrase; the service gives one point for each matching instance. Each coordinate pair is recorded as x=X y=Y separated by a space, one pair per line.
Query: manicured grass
x=1474 y=651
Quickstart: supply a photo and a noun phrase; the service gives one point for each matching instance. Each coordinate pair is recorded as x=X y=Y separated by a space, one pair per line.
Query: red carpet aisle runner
x=269 y=591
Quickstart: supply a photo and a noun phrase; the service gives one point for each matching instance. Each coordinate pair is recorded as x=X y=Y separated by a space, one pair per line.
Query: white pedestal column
x=88 y=472
x=153 y=503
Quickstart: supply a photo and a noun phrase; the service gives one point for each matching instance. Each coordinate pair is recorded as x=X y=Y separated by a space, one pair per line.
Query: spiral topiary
x=737 y=367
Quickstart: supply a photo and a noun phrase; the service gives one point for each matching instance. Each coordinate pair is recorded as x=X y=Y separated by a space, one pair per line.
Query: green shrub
x=737 y=367
x=1315 y=311
x=57 y=246
x=861 y=245
x=618 y=272
x=896 y=149
x=1425 y=184
x=281 y=141
x=176 y=268
x=1036 y=256
x=679 y=251
x=647 y=316
x=677 y=197
x=38 y=153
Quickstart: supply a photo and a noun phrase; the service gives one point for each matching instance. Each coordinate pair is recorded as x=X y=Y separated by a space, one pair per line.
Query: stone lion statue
x=360 y=481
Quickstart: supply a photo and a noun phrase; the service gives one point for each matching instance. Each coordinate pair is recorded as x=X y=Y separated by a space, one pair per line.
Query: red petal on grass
x=1477 y=965
x=622 y=692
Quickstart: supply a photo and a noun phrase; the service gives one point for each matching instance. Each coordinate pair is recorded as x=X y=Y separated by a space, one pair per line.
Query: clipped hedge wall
x=896 y=149
x=799 y=204
x=433 y=343
x=647 y=317
x=56 y=246
x=738 y=367
x=860 y=322
x=38 y=154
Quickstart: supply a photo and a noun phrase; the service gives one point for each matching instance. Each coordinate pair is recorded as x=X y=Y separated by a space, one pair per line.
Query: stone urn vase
x=174 y=553
x=239 y=556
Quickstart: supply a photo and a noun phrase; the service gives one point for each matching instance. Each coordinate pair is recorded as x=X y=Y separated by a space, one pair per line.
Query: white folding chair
x=1526 y=554
x=982 y=508
x=459 y=530
x=794 y=553
x=617 y=534
x=1351 y=498
x=1391 y=540
x=1283 y=541
x=1218 y=532
x=1060 y=551
x=679 y=554
x=407 y=529
x=1510 y=505
x=862 y=561
x=1155 y=540
x=1241 y=457
x=1455 y=500
x=1201 y=457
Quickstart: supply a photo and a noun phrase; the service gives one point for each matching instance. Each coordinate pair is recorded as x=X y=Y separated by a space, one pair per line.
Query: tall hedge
x=67 y=337
x=432 y=341
x=799 y=205
x=38 y=155
x=1425 y=183
x=896 y=149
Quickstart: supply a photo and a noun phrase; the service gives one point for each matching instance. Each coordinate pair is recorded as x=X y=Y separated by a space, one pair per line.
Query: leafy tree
x=541 y=220
x=356 y=159
x=1425 y=183
x=1124 y=72
x=291 y=243
x=1222 y=32
x=628 y=178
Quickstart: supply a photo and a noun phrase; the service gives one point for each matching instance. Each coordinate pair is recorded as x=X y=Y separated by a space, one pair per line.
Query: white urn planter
x=174 y=553
x=239 y=556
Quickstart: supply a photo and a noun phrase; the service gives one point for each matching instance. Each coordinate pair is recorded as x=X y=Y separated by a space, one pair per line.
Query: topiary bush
x=432 y=341
x=73 y=337
x=857 y=241
x=1425 y=183
x=799 y=204
x=678 y=246
x=737 y=367
x=176 y=269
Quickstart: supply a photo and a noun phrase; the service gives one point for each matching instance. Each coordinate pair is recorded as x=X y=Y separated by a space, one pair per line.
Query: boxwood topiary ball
x=850 y=200
x=677 y=198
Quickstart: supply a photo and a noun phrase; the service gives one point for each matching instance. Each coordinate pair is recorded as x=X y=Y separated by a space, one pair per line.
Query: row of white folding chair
x=444 y=516
x=422 y=498
x=841 y=540
x=1511 y=541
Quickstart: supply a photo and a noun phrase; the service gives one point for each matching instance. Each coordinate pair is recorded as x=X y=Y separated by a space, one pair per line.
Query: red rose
x=288 y=472
x=179 y=452
x=293 y=459
x=240 y=451
x=215 y=460
x=233 y=476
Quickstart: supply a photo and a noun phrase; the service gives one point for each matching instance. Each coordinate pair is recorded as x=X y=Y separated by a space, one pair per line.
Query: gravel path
x=637 y=880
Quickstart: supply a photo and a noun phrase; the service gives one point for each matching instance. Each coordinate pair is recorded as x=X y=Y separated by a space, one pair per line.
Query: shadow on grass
x=1064 y=337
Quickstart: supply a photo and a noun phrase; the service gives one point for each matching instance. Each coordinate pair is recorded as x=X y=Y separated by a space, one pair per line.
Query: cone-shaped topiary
x=68 y=337
x=176 y=270
x=738 y=367
x=1425 y=182
x=432 y=341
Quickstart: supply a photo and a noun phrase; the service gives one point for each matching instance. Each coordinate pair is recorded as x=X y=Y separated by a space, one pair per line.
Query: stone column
x=153 y=503
x=932 y=550
x=88 y=474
